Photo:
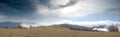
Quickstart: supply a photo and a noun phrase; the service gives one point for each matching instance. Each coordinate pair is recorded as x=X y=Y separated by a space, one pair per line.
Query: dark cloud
x=47 y=3
x=16 y=7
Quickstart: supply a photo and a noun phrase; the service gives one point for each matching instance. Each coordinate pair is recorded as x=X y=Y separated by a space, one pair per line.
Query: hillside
x=53 y=31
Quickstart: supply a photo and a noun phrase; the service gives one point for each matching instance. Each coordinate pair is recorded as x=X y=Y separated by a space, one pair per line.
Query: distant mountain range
x=9 y=25
x=71 y=26
x=76 y=27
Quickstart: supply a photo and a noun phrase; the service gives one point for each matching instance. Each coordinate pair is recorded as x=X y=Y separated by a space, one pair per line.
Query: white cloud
x=59 y=2
x=80 y=9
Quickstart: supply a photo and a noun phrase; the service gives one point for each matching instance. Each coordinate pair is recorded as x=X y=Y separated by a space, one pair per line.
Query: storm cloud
x=50 y=11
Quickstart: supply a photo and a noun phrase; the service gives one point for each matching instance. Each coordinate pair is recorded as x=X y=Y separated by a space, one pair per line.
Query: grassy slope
x=54 y=32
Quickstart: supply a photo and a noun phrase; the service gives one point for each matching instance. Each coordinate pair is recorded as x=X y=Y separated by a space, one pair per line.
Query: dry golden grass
x=53 y=32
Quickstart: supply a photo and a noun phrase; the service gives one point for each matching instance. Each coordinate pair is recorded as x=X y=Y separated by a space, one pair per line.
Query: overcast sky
x=51 y=11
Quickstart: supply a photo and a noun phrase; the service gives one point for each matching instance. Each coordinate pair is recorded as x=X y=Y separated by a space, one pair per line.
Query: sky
x=57 y=11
